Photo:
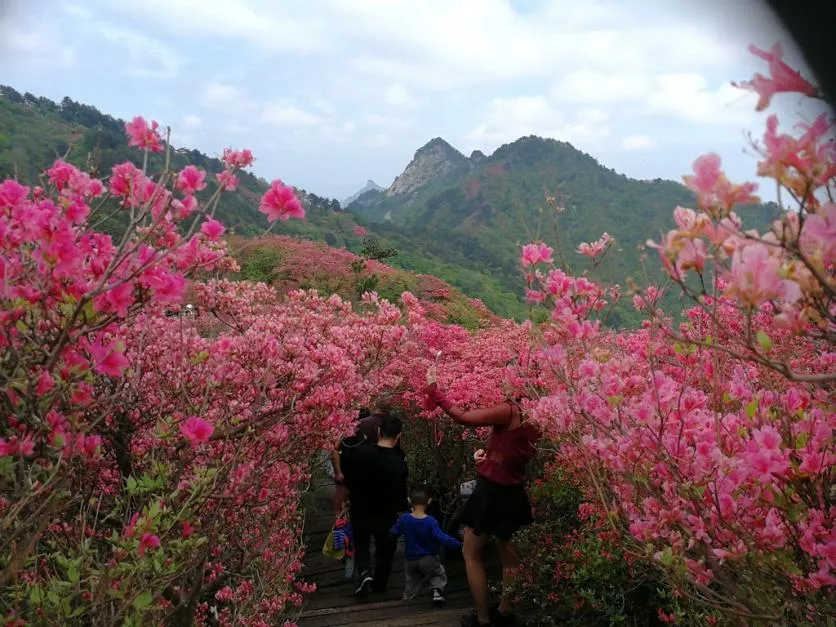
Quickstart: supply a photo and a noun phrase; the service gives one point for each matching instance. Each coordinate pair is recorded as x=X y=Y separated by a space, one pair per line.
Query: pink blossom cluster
x=712 y=439
x=177 y=448
x=596 y=248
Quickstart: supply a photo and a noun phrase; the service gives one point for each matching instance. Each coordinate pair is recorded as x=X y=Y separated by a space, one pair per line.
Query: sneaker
x=366 y=585
x=502 y=620
x=438 y=597
x=470 y=620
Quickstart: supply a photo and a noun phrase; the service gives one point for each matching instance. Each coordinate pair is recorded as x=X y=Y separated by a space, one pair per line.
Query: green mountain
x=36 y=131
x=474 y=212
x=448 y=215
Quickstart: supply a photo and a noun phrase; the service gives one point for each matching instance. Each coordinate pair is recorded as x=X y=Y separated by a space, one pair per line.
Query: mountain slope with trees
x=475 y=212
x=456 y=217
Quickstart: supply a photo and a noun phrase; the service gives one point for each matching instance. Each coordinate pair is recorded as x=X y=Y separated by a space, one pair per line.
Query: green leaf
x=36 y=595
x=752 y=408
x=131 y=484
x=72 y=573
x=667 y=556
x=143 y=600
x=764 y=340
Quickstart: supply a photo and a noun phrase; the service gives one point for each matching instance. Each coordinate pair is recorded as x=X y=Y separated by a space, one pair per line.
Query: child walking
x=423 y=539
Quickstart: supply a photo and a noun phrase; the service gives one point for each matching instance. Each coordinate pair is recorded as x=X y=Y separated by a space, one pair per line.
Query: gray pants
x=418 y=571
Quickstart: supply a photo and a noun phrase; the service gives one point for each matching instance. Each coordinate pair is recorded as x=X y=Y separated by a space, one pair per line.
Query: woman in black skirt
x=499 y=505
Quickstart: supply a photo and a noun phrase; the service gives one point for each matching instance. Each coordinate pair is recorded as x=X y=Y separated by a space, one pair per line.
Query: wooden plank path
x=333 y=604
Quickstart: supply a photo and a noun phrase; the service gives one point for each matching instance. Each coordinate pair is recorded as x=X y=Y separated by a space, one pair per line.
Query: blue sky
x=330 y=93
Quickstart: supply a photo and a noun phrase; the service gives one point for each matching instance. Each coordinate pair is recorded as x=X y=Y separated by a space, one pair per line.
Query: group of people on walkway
x=371 y=472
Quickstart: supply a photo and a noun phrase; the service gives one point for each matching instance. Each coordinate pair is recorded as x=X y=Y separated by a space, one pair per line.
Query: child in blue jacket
x=423 y=538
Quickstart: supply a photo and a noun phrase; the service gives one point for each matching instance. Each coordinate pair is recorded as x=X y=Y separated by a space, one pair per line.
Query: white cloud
x=638 y=142
x=287 y=115
x=261 y=23
x=398 y=96
x=360 y=75
x=688 y=97
x=146 y=56
x=587 y=85
x=507 y=119
x=33 y=48
x=220 y=95
x=192 y=122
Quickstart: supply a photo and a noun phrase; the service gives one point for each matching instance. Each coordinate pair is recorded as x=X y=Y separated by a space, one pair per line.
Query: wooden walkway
x=333 y=604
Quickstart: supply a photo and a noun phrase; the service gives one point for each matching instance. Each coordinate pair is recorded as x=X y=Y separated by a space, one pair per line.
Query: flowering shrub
x=709 y=445
x=574 y=568
x=151 y=465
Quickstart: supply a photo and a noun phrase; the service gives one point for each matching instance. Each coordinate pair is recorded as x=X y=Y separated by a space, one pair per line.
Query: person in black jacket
x=376 y=478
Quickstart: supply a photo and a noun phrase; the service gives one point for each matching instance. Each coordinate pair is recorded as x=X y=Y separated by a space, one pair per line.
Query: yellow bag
x=328 y=548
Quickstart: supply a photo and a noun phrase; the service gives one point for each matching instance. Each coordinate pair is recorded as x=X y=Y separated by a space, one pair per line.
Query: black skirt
x=496 y=510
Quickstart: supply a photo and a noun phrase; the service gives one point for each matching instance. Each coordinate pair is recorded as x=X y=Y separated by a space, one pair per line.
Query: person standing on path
x=340 y=494
x=499 y=505
x=376 y=478
x=423 y=539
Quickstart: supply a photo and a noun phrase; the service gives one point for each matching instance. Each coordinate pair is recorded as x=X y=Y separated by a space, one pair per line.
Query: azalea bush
x=152 y=462
x=708 y=444
x=574 y=568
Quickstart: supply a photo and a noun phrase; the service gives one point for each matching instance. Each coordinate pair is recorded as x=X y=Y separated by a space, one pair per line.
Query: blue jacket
x=423 y=536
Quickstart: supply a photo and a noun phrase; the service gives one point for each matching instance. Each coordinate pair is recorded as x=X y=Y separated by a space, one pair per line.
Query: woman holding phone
x=499 y=505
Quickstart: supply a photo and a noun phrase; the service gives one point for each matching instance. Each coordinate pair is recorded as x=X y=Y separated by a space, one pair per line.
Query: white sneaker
x=365 y=586
x=438 y=597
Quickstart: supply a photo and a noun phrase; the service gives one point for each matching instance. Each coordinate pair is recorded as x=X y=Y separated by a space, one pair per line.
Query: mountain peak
x=433 y=160
x=438 y=143
x=370 y=186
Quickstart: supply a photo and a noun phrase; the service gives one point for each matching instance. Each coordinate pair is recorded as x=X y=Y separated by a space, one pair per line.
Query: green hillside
x=35 y=131
x=474 y=212
x=455 y=217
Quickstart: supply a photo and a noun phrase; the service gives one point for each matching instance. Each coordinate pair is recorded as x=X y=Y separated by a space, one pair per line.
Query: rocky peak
x=435 y=159
x=370 y=186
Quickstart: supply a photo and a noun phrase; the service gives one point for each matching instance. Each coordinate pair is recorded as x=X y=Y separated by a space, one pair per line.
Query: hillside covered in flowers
x=154 y=456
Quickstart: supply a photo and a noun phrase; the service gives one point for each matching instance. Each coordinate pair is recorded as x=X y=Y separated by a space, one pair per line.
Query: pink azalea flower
x=196 y=430
x=118 y=300
x=140 y=135
x=212 y=229
x=534 y=296
x=820 y=232
x=190 y=180
x=227 y=180
x=782 y=78
x=280 y=203
x=108 y=360
x=755 y=277
x=45 y=383
x=712 y=187
x=597 y=247
x=12 y=194
x=533 y=254
x=236 y=159
x=359 y=231
x=148 y=541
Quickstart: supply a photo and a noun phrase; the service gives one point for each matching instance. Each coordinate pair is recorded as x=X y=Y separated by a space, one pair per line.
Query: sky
x=330 y=93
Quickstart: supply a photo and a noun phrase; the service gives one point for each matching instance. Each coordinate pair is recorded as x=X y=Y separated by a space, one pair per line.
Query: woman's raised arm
x=496 y=416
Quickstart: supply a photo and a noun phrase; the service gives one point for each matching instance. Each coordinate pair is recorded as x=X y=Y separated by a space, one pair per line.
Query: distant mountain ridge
x=456 y=217
x=475 y=211
x=370 y=186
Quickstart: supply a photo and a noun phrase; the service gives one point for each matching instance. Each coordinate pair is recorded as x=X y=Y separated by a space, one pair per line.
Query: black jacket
x=376 y=478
